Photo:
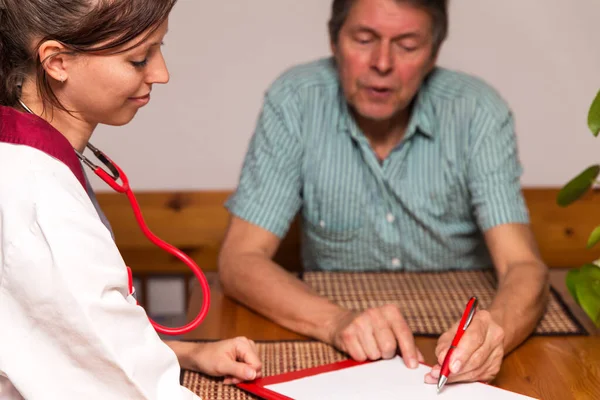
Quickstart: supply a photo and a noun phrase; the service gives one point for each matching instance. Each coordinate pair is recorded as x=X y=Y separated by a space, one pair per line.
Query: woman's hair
x=82 y=26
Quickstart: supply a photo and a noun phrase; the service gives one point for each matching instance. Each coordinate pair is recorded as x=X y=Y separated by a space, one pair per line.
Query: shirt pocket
x=442 y=202
x=332 y=228
x=335 y=213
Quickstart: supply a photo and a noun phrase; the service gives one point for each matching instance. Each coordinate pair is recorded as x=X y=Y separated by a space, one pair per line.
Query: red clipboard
x=257 y=386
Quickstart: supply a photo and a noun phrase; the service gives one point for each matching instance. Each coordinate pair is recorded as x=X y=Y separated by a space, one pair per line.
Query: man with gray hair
x=395 y=164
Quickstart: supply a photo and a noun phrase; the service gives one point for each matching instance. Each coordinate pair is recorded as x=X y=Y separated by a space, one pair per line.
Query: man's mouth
x=380 y=89
x=379 y=92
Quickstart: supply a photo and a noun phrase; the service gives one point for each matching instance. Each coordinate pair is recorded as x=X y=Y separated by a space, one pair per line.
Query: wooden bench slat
x=196 y=222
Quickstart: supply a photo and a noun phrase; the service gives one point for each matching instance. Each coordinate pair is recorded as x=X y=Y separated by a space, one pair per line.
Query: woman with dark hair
x=69 y=327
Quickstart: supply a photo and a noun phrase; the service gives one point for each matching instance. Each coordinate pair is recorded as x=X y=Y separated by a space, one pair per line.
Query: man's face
x=383 y=53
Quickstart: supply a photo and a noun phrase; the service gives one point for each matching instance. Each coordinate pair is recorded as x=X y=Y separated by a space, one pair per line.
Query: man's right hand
x=373 y=334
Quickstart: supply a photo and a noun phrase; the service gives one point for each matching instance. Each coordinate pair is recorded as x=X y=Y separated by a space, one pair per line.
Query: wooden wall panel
x=562 y=233
x=196 y=223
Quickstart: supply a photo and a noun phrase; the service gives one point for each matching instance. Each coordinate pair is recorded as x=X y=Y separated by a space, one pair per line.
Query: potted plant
x=584 y=282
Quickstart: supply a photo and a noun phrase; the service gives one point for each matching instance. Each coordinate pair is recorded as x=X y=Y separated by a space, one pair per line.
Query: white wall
x=542 y=55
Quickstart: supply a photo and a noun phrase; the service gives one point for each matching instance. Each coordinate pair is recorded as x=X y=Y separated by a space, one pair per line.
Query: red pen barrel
x=457 y=337
x=445 y=371
x=462 y=326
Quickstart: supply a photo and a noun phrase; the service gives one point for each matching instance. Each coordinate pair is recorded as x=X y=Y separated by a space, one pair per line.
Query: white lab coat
x=68 y=327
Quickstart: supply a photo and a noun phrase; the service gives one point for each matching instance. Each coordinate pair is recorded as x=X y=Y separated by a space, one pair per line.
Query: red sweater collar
x=30 y=130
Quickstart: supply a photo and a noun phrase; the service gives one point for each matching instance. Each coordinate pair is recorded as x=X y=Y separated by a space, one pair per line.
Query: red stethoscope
x=111 y=179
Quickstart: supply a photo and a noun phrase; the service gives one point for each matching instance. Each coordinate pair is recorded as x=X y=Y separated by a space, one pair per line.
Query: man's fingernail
x=412 y=363
x=430 y=379
x=250 y=375
x=455 y=367
x=435 y=373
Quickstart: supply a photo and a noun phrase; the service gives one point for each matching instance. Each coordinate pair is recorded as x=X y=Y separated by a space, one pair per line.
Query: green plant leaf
x=571 y=281
x=594 y=116
x=590 y=271
x=588 y=293
x=594 y=238
x=584 y=286
x=578 y=186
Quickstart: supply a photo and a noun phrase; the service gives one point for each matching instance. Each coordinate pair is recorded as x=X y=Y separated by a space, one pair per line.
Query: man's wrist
x=330 y=321
x=499 y=317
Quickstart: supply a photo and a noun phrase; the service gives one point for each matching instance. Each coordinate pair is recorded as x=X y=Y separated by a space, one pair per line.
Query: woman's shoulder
x=27 y=174
x=38 y=193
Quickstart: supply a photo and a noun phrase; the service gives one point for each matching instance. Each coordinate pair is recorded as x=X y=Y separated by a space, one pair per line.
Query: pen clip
x=471 y=314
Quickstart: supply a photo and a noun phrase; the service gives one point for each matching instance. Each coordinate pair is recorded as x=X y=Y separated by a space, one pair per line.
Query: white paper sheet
x=384 y=380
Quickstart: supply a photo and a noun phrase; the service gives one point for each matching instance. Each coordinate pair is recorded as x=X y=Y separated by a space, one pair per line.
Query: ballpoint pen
x=466 y=319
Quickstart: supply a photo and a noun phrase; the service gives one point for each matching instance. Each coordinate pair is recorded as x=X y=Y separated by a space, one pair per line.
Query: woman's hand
x=235 y=359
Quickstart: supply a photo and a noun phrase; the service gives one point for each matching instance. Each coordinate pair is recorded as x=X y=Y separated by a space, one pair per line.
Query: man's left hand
x=479 y=353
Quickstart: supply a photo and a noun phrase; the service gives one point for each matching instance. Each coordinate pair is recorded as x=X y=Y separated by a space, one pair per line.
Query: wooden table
x=553 y=367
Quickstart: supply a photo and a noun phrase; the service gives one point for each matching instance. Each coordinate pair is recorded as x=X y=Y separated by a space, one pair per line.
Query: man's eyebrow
x=366 y=29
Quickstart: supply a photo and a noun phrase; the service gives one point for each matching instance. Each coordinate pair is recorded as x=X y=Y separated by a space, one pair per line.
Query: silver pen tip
x=441 y=383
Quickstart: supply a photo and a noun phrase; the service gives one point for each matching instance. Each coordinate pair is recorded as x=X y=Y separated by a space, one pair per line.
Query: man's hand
x=479 y=353
x=375 y=333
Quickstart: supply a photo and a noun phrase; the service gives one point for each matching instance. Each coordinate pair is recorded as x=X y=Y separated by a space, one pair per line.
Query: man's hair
x=437 y=9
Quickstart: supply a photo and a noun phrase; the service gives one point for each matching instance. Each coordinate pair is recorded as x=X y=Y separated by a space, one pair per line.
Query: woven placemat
x=277 y=358
x=430 y=302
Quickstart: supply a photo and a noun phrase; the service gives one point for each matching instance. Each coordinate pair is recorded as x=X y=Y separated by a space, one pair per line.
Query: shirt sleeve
x=269 y=190
x=494 y=173
x=70 y=330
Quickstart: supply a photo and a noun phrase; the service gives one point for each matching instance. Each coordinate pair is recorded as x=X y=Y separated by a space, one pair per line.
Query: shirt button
x=396 y=262
x=322 y=224
x=390 y=218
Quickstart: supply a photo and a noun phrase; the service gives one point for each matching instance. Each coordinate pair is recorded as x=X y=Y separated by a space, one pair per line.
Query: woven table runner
x=277 y=358
x=430 y=302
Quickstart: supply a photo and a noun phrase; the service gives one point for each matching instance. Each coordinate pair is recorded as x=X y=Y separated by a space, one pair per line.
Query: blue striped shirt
x=454 y=175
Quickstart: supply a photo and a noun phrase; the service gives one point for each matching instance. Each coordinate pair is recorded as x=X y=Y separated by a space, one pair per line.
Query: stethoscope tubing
x=111 y=180
x=125 y=188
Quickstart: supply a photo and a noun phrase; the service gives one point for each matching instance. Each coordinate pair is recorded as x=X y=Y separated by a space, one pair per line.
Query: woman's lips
x=142 y=100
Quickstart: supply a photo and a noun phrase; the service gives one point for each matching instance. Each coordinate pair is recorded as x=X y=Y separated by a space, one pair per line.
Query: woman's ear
x=53 y=56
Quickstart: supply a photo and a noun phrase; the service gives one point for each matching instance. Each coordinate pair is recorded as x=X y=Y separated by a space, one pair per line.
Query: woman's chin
x=120 y=120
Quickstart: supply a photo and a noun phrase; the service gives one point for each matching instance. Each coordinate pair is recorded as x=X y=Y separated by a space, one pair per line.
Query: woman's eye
x=140 y=64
